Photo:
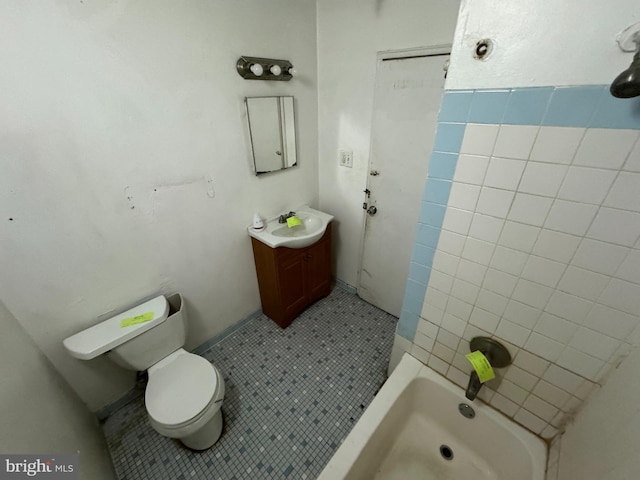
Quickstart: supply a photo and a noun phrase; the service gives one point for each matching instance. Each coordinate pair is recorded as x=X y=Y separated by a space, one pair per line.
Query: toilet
x=185 y=392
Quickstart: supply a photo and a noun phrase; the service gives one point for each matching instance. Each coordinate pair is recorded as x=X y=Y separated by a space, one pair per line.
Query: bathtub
x=413 y=429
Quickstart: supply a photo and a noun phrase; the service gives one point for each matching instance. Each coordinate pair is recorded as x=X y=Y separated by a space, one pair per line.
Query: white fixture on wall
x=627 y=39
x=346 y=158
x=257 y=68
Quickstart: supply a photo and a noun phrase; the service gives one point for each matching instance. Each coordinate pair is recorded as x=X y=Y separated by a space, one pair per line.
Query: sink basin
x=274 y=234
x=310 y=225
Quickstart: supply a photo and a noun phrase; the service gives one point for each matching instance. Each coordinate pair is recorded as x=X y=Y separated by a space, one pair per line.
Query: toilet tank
x=150 y=347
x=137 y=338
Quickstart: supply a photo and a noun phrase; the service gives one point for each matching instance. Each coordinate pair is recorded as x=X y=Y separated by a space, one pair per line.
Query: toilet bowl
x=184 y=393
x=183 y=399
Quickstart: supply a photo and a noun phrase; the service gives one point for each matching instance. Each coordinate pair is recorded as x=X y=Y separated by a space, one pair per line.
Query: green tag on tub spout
x=481 y=365
x=145 y=317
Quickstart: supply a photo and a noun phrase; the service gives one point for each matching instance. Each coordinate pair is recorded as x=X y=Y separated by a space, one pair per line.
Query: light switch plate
x=346 y=158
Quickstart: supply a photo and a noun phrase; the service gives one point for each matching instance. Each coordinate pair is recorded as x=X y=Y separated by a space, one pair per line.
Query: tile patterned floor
x=291 y=397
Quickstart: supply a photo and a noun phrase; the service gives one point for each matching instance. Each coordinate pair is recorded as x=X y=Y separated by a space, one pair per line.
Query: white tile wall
x=543 y=271
x=542 y=178
x=508 y=260
x=471 y=169
x=557 y=145
x=602 y=257
x=605 y=148
x=504 y=173
x=616 y=226
x=515 y=141
x=624 y=193
x=633 y=160
x=540 y=248
x=587 y=185
x=457 y=221
x=570 y=217
x=556 y=246
x=480 y=139
x=530 y=209
x=495 y=202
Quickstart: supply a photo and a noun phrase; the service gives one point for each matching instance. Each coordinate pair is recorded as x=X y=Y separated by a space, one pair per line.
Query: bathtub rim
x=409 y=368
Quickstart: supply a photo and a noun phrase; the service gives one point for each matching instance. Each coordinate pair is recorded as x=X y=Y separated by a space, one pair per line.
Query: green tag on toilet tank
x=481 y=365
x=145 y=317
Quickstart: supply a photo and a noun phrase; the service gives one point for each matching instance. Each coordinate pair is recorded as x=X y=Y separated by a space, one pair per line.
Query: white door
x=408 y=93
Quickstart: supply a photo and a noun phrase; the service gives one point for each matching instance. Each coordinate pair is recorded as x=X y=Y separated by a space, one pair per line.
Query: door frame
x=381 y=56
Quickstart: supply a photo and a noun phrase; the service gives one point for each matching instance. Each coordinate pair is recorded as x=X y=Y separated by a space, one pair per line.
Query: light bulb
x=256 y=69
x=292 y=71
x=276 y=70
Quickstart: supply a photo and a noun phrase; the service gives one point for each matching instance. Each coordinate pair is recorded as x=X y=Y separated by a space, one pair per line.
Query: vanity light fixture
x=256 y=68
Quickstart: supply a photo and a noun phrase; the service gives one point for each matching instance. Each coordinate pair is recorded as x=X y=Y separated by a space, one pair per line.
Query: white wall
x=125 y=162
x=349 y=36
x=540 y=43
x=602 y=444
x=40 y=413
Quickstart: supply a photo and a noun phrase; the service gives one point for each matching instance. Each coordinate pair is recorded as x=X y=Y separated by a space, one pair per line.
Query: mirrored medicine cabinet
x=273 y=133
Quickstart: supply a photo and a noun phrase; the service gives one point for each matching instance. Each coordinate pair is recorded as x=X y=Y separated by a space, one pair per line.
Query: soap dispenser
x=258 y=224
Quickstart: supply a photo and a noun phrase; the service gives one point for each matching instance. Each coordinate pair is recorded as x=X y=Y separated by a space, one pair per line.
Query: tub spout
x=474 y=386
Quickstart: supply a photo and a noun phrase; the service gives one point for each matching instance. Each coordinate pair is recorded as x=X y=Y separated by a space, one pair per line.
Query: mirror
x=273 y=133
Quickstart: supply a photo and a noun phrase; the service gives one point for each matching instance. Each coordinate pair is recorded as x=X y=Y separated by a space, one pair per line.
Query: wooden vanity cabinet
x=290 y=279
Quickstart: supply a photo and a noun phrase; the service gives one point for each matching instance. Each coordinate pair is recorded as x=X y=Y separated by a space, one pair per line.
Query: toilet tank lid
x=109 y=334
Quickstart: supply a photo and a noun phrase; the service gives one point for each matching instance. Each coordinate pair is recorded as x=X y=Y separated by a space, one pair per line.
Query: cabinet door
x=291 y=274
x=318 y=269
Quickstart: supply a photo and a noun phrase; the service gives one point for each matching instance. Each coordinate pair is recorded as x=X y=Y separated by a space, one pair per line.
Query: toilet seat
x=182 y=389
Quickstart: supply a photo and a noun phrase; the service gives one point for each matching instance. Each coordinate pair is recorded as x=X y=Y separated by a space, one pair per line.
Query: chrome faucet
x=473 y=387
x=284 y=216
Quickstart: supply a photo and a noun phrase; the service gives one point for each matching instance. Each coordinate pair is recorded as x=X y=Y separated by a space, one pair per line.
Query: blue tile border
x=585 y=106
x=423 y=254
x=419 y=273
x=434 y=204
x=573 y=106
x=432 y=214
x=437 y=190
x=455 y=106
x=527 y=106
x=427 y=236
x=442 y=165
x=488 y=106
x=614 y=112
x=448 y=137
